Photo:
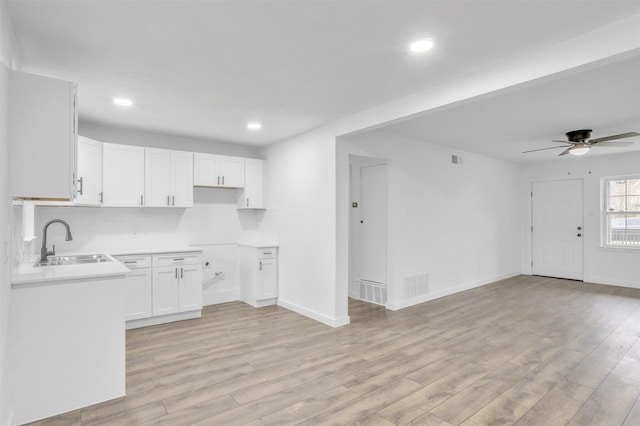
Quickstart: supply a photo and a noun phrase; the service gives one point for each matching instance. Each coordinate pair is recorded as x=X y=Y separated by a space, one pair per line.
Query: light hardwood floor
x=526 y=351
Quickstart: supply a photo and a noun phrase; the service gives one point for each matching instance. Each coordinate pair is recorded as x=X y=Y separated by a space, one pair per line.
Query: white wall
x=457 y=223
x=602 y=265
x=300 y=202
x=9 y=59
x=212 y=224
x=125 y=136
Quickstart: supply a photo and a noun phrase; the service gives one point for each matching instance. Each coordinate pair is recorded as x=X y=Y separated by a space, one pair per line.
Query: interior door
x=374 y=223
x=557 y=234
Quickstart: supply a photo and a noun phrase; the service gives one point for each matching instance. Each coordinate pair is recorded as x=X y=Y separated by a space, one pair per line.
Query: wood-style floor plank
x=526 y=351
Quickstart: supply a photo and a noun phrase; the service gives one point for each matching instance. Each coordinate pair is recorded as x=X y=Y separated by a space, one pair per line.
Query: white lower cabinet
x=166 y=290
x=138 y=293
x=258 y=273
x=162 y=287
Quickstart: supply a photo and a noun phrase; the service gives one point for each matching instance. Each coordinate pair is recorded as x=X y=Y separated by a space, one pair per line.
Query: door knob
x=579 y=235
x=579 y=228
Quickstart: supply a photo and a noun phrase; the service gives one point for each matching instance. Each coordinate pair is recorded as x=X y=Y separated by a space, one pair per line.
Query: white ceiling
x=604 y=99
x=204 y=69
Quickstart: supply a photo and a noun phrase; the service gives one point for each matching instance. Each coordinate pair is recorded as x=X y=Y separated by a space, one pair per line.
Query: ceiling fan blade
x=561 y=141
x=542 y=149
x=613 y=144
x=613 y=137
x=566 y=151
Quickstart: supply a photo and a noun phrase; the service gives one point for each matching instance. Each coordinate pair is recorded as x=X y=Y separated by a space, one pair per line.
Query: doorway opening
x=367 y=235
x=557 y=232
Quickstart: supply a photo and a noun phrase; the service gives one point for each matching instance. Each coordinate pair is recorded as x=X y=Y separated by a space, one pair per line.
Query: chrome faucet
x=43 y=251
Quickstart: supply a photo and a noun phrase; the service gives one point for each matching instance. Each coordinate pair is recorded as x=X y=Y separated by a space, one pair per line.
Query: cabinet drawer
x=267 y=253
x=177 y=259
x=135 y=261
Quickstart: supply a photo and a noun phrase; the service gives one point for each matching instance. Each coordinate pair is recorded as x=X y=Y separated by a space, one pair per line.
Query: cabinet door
x=89 y=178
x=157 y=177
x=268 y=286
x=123 y=175
x=181 y=179
x=42 y=136
x=205 y=169
x=166 y=290
x=232 y=172
x=138 y=294
x=253 y=193
x=190 y=287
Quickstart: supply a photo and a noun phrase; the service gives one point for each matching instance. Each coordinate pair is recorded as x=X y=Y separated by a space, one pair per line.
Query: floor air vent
x=373 y=292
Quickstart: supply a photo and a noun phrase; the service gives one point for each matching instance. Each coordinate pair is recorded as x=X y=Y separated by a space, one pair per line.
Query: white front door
x=374 y=223
x=557 y=229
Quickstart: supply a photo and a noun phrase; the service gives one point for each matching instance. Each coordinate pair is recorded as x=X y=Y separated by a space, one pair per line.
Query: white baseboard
x=163 y=319
x=395 y=306
x=221 y=296
x=331 y=322
x=10 y=421
x=608 y=281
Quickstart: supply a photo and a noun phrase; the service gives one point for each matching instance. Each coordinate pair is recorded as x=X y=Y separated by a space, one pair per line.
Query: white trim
x=442 y=293
x=331 y=322
x=220 y=296
x=613 y=282
x=144 y=322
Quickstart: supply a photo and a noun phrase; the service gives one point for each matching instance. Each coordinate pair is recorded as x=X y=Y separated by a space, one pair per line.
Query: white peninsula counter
x=66 y=338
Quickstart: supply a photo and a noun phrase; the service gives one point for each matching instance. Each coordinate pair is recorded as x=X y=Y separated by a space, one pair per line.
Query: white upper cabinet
x=89 y=176
x=218 y=171
x=168 y=178
x=252 y=196
x=123 y=175
x=157 y=177
x=42 y=136
x=181 y=179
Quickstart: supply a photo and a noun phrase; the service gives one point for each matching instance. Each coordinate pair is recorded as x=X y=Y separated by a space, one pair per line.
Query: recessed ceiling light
x=122 y=102
x=254 y=126
x=422 y=45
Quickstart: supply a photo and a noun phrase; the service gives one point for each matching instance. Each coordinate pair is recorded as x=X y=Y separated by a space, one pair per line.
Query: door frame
x=355 y=238
x=528 y=259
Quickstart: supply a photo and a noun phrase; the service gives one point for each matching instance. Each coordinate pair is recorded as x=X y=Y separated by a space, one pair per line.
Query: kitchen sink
x=81 y=259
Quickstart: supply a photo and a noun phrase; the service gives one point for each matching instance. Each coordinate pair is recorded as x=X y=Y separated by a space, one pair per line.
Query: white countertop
x=153 y=250
x=28 y=274
x=258 y=244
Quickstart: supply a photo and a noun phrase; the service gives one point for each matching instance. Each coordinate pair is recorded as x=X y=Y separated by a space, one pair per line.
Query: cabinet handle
x=261 y=265
x=218 y=180
x=178 y=258
x=176 y=273
x=173 y=199
x=168 y=200
x=142 y=200
x=223 y=180
x=130 y=261
x=247 y=202
x=102 y=197
x=180 y=272
x=81 y=187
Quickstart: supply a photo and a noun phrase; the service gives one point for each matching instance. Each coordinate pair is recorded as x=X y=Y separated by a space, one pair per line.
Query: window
x=622 y=211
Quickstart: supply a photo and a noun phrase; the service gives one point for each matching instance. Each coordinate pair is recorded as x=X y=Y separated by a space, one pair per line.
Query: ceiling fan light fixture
x=579 y=149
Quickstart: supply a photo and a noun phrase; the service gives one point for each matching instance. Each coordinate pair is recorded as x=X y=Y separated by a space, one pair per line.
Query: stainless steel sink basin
x=81 y=259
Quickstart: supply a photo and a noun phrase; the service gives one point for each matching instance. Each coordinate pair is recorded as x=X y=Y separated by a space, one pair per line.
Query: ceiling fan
x=578 y=142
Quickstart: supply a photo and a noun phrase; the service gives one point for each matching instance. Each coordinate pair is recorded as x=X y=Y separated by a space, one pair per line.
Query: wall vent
x=416 y=285
x=373 y=292
x=456 y=159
